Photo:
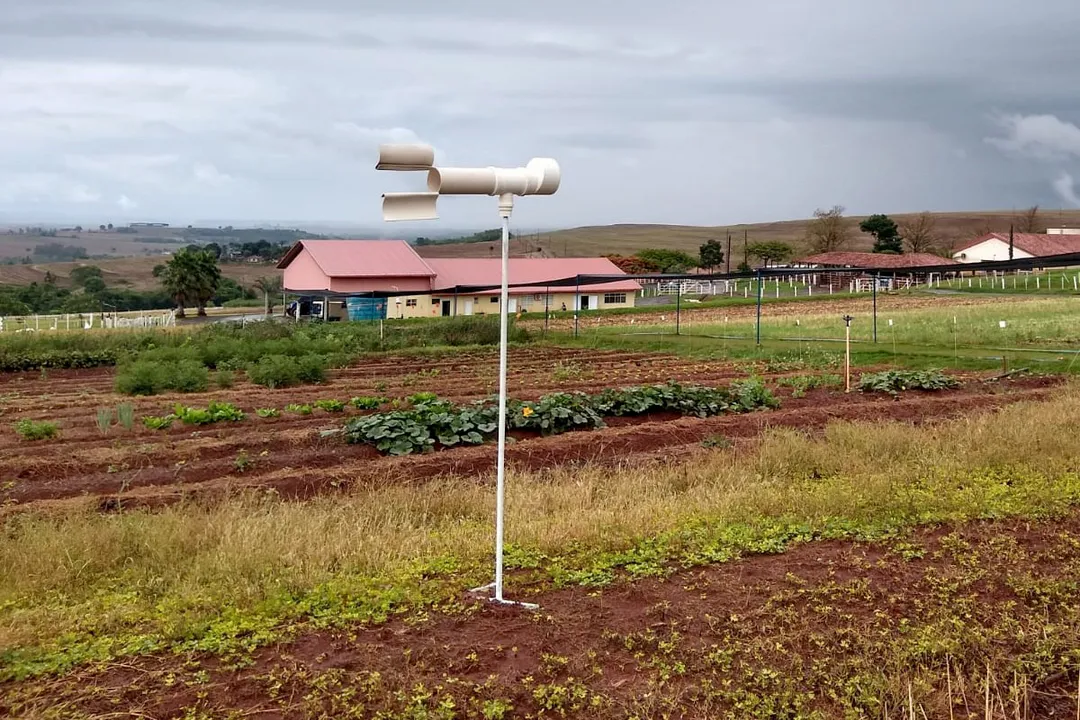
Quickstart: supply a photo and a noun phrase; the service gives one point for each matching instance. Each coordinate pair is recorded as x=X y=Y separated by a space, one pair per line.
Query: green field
x=1047 y=330
x=1058 y=282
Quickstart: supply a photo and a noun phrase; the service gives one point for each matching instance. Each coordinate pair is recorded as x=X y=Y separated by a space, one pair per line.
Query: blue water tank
x=365 y=308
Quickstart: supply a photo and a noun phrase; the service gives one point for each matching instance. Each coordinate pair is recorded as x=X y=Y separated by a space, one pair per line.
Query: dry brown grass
x=241 y=551
x=135 y=273
x=628 y=239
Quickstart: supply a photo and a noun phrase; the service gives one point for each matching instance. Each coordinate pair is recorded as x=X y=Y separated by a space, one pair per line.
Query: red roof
x=454 y=272
x=362 y=258
x=881 y=261
x=1036 y=244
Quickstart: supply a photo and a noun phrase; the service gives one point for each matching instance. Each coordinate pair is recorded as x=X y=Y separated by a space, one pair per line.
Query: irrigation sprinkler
x=541 y=176
x=847 y=353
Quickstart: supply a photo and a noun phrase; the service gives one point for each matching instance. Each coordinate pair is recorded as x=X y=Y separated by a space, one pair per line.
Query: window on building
x=548 y=299
x=614 y=298
x=494 y=298
x=435 y=301
x=411 y=302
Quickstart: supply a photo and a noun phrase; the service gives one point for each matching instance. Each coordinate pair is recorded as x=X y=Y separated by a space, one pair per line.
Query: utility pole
x=728 y=255
x=1010 y=241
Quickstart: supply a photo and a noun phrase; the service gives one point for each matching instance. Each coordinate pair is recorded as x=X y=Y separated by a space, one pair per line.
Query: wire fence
x=987 y=316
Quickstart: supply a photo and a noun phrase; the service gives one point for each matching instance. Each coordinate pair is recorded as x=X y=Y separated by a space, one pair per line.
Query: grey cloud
x=275 y=109
x=103 y=26
x=598 y=140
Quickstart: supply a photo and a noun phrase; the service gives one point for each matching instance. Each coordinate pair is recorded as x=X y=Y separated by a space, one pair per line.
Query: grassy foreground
x=230 y=577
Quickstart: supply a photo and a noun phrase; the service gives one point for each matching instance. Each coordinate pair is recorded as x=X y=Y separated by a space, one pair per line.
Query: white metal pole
x=506 y=205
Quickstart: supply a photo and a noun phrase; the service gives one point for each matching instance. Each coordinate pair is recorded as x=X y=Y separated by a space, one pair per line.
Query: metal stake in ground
x=847 y=353
x=540 y=177
x=759 y=291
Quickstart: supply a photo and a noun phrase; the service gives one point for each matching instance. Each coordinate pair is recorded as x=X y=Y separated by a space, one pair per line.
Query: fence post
x=875 y=281
x=760 y=289
x=678 y=306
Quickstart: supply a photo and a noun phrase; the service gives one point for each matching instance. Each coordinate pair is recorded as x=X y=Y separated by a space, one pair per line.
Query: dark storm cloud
x=688 y=111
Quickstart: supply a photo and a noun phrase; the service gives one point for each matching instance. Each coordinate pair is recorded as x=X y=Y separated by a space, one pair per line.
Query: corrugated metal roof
x=362 y=258
x=876 y=260
x=457 y=272
x=1036 y=244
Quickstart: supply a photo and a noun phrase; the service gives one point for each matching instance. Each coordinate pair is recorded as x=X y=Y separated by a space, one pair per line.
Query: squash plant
x=896 y=381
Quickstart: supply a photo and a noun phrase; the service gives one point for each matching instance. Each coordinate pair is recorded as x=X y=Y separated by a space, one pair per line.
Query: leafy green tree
x=13 y=306
x=228 y=289
x=81 y=303
x=885 y=233
x=772 y=251
x=191 y=276
x=94 y=285
x=80 y=275
x=710 y=254
x=669 y=261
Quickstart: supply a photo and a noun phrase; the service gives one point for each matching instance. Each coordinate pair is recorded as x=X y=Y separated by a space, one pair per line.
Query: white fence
x=88 y=321
x=797 y=284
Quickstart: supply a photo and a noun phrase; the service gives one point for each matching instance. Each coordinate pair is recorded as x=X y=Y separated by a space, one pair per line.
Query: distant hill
x=135 y=273
x=628 y=239
x=145 y=241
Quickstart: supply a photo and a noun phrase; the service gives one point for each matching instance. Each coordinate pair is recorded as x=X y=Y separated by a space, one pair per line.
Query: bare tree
x=1029 y=221
x=919 y=232
x=829 y=230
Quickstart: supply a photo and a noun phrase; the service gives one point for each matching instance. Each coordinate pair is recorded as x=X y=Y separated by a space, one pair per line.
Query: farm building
x=995 y=246
x=885 y=262
x=386 y=278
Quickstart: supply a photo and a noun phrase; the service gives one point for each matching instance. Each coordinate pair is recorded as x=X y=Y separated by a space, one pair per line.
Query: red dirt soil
x=143 y=467
x=796 y=627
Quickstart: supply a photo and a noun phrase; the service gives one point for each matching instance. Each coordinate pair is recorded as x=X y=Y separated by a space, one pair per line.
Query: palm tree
x=269 y=287
x=190 y=276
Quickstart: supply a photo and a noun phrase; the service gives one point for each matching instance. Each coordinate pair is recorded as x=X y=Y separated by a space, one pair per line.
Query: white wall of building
x=991 y=249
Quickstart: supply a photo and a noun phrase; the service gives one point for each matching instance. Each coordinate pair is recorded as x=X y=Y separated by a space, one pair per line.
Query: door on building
x=468 y=307
x=512 y=306
x=446 y=308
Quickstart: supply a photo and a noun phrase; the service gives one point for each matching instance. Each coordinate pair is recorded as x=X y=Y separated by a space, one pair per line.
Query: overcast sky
x=690 y=111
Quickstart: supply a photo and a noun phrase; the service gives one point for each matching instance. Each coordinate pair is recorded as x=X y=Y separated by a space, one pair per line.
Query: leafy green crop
x=214 y=412
x=156 y=422
x=368 y=403
x=150 y=377
x=896 y=381
x=429 y=421
x=741 y=396
x=419 y=428
x=276 y=371
x=268 y=412
x=330 y=405
x=36 y=429
x=298 y=408
x=555 y=413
